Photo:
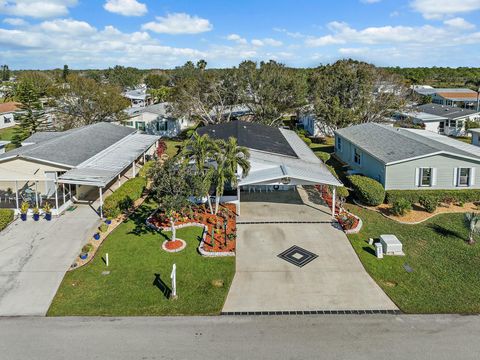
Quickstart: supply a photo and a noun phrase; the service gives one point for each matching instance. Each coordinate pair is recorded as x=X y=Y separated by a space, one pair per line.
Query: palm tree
x=228 y=159
x=472 y=220
x=200 y=150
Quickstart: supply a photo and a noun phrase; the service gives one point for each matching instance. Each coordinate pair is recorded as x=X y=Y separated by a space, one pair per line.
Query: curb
x=314 y=312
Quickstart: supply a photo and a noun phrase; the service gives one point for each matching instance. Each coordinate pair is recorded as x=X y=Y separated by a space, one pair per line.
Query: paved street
x=34 y=257
x=361 y=337
x=335 y=280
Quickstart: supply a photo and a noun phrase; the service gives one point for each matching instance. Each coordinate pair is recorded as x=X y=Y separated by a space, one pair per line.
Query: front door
x=441 y=127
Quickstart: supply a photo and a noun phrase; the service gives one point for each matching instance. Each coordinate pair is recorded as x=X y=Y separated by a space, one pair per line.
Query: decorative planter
x=23 y=217
x=96 y=236
x=181 y=244
x=108 y=221
x=36 y=217
x=48 y=216
x=83 y=256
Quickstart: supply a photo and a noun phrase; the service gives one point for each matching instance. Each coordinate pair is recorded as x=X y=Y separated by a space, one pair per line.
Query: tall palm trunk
x=174 y=231
x=209 y=201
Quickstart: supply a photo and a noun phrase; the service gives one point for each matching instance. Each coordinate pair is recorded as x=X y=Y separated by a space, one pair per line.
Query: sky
x=46 y=34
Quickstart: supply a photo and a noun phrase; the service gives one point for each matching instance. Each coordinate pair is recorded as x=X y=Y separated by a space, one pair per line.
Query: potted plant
x=85 y=250
x=36 y=213
x=24 y=210
x=47 y=209
x=96 y=236
x=108 y=221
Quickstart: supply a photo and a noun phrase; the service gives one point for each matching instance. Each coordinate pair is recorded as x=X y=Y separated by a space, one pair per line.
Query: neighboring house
x=441 y=119
x=279 y=159
x=475 y=136
x=138 y=97
x=457 y=97
x=408 y=159
x=78 y=164
x=7 y=114
x=157 y=120
x=307 y=120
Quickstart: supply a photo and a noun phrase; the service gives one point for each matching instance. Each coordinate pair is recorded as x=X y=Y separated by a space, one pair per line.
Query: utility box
x=379 y=250
x=391 y=245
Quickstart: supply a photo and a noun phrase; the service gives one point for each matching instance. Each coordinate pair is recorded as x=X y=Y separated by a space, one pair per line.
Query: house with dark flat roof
x=408 y=159
x=279 y=159
x=60 y=168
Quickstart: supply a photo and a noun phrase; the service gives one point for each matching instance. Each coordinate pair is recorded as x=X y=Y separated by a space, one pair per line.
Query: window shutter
x=417 y=177
x=471 y=180
x=455 y=176
x=434 y=177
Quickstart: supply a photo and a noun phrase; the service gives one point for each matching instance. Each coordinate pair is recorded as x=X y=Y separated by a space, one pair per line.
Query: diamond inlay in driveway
x=297 y=256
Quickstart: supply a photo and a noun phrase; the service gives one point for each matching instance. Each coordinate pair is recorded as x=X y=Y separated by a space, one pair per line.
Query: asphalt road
x=259 y=337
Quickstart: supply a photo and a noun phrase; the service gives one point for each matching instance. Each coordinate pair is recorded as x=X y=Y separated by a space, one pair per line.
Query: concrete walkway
x=34 y=257
x=336 y=280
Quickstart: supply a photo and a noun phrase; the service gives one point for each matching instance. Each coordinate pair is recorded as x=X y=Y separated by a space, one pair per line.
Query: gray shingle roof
x=389 y=144
x=42 y=136
x=445 y=111
x=73 y=147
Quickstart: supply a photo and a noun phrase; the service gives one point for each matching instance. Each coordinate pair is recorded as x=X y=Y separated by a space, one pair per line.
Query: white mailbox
x=391 y=245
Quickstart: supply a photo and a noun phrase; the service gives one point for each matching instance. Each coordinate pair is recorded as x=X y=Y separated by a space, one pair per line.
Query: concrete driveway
x=335 y=280
x=34 y=257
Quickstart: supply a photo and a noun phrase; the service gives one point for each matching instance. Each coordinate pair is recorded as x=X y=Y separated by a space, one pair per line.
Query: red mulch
x=347 y=221
x=174 y=245
x=347 y=224
x=201 y=215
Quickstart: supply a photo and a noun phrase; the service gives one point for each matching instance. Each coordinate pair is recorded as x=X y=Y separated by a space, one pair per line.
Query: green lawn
x=173 y=147
x=445 y=277
x=138 y=266
x=7 y=134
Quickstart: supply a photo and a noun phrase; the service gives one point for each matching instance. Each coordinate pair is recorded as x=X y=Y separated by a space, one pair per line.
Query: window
x=426 y=177
x=463 y=177
x=339 y=143
x=129 y=123
x=162 y=125
x=357 y=158
x=140 y=125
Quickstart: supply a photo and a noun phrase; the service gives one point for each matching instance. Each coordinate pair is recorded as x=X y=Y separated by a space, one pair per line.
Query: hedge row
x=6 y=217
x=445 y=196
x=123 y=198
x=370 y=192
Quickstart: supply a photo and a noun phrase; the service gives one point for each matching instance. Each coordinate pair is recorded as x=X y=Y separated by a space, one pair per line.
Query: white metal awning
x=102 y=168
x=291 y=175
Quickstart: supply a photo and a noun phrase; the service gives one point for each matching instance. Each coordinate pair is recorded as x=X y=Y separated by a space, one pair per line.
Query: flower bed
x=350 y=223
x=222 y=226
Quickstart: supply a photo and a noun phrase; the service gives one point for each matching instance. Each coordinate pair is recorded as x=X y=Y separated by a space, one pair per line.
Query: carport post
x=134 y=173
x=36 y=194
x=56 y=196
x=334 y=195
x=16 y=194
x=238 y=200
x=101 y=202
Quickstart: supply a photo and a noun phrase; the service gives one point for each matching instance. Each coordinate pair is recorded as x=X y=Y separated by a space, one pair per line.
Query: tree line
x=344 y=93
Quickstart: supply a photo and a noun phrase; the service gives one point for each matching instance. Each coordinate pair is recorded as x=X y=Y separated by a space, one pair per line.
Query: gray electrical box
x=379 y=250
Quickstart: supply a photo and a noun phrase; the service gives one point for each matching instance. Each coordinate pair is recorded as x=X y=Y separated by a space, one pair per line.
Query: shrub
x=323 y=156
x=428 y=203
x=87 y=248
x=123 y=198
x=103 y=228
x=370 y=192
x=6 y=217
x=401 y=207
x=146 y=168
x=466 y=196
x=306 y=140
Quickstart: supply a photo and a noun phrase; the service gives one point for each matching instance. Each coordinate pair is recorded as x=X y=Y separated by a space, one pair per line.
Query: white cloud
x=295 y=35
x=266 y=42
x=68 y=26
x=15 y=21
x=178 y=23
x=438 y=9
x=237 y=38
x=459 y=23
x=36 y=8
x=343 y=33
x=126 y=7
x=79 y=44
x=353 y=51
